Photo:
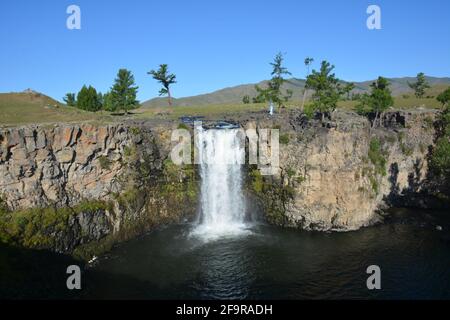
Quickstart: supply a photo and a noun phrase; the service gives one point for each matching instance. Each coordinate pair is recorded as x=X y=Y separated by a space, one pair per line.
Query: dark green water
x=267 y=263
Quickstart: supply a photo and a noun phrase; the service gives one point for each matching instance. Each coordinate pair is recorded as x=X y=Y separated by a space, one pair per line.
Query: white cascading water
x=221 y=154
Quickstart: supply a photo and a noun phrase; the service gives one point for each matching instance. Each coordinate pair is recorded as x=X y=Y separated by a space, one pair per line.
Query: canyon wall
x=338 y=175
x=86 y=186
x=81 y=188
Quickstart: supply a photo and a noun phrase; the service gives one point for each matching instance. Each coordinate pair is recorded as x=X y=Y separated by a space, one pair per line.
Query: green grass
x=408 y=100
x=213 y=110
x=25 y=108
x=220 y=110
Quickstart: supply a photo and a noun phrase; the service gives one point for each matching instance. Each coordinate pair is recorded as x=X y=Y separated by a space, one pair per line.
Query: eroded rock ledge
x=81 y=188
x=338 y=175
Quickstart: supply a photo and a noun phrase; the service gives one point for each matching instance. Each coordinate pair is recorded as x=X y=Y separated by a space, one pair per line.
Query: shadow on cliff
x=421 y=191
x=409 y=196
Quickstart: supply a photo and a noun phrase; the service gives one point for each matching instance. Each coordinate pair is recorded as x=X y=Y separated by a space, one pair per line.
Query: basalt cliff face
x=339 y=175
x=81 y=188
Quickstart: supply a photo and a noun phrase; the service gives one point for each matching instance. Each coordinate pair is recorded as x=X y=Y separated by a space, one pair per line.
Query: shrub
x=183 y=126
x=284 y=138
x=300 y=179
x=428 y=122
x=129 y=152
x=407 y=151
x=376 y=156
x=257 y=180
x=374 y=183
x=290 y=172
x=135 y=130
x=440 y=160
x=105 y=163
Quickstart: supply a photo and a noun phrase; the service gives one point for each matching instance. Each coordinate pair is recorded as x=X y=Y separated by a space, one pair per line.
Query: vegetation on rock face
x=284 y=138
x=273 y=91
x=420 y=86
x=162 y=75
x=376 y=156
x=440 y=157
x=378 y=160
x=180 y=181
x=183 y=126
x=275 y=194
x=105 y=163
x=444 y=98
x=39 y=227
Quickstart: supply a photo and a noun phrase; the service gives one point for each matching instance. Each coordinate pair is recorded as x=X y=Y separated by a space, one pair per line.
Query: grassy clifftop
x=33 y=107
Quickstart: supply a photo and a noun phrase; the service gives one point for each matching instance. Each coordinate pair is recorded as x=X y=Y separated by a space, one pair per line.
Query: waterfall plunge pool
x=266 y=263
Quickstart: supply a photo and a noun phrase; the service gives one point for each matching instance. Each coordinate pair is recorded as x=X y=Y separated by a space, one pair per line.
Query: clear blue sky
x=213 y=44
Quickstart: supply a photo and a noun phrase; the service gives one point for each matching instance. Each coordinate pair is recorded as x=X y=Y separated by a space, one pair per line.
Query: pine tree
x=379 y=99
x=88 y=99
x=420 y=86
x=273 y=91
x=308 y=61
x=327 y=89
x=348 y=89
x=123 y=92
x=108 y=103
x=162 y=75
x=70 y=100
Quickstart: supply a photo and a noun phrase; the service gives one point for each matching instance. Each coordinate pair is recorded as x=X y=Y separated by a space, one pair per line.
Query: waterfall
x=221 y=155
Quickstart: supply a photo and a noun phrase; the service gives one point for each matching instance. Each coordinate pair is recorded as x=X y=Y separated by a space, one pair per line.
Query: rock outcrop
x=338 y=175
x=70 y=167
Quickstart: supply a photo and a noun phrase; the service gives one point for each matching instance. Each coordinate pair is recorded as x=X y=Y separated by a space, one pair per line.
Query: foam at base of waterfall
x=214 y=232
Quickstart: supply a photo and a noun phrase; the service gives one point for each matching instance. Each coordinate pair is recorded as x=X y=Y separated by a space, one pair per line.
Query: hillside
x=34 y=107
x=233 y=95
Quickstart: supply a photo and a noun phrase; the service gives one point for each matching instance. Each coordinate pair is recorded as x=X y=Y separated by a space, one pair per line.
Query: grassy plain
x=32 y=107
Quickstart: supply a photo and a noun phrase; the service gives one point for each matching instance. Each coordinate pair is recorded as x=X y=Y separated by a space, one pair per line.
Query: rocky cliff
x=83 y=187
x=338 y=175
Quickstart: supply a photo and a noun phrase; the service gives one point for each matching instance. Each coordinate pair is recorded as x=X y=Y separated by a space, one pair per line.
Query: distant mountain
x=235 y=94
